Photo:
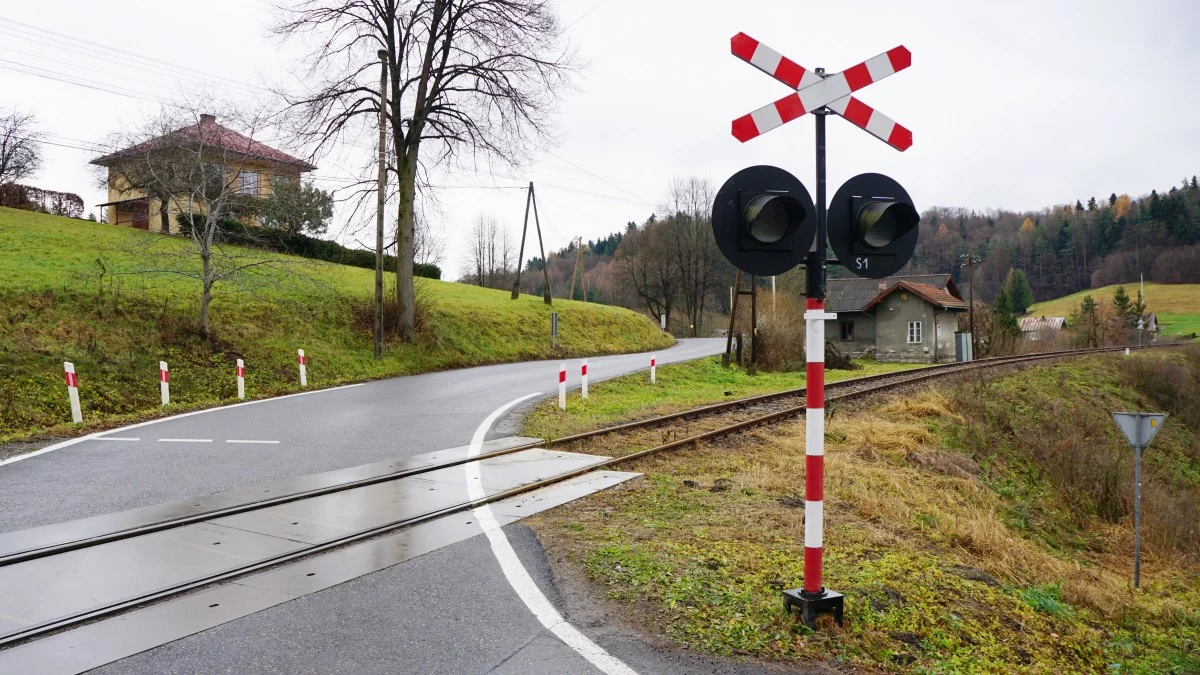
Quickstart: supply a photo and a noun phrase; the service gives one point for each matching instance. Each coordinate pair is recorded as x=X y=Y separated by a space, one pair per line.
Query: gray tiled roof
x=850 y=295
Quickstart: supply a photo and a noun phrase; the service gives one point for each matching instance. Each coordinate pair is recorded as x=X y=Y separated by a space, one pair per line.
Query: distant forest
x=669 y=263
x=1069 y=248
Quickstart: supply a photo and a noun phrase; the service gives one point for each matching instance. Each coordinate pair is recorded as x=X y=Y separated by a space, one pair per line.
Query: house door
x=141 y=215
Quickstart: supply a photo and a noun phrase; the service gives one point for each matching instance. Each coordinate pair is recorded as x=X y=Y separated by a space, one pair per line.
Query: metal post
x=814 y=488
x=1137 y=516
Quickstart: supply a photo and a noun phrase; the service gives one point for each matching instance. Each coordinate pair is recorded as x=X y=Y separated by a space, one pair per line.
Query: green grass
x=962 y=524
x=74 y=290
x=678 y=387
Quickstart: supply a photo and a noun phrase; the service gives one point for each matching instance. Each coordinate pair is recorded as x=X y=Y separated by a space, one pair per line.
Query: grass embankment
x=678 y=387
x=71 y=291
x=980 y=528
x=1177 y=305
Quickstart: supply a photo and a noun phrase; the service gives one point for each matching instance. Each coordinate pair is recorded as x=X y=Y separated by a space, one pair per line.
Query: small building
x=909 y=319
x=1041 y=327
x=250 y=167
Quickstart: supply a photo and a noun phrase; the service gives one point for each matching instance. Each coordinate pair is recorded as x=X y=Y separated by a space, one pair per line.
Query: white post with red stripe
x=583 y=374
x=562 y=386
x=73 y=391
x=303 y=367
x=814 y=442
x=241 y=378
x=653 y=364
x=164 y=382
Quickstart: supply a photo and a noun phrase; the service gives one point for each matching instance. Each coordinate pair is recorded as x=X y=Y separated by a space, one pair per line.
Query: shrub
x=304 y=246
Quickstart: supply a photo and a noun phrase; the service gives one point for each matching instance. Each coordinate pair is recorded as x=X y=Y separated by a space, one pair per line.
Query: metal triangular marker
x=1139 y=428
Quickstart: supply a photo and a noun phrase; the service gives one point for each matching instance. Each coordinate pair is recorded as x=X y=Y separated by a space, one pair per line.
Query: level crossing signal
x=765 y=223
x=764 y=220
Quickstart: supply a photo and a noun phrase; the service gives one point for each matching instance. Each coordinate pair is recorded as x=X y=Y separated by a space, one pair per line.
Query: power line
x=72 y=40
x=581 y=16
x=599 y=178
x=79 y=81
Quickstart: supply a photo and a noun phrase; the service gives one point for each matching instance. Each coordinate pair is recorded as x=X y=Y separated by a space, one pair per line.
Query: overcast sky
x=1017 y=104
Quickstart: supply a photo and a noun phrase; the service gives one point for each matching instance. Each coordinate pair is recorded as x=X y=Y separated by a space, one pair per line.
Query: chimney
x=205 y=118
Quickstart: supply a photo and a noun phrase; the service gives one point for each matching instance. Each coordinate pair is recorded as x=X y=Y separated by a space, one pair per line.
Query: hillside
x=85 y=292
x=1177 y=305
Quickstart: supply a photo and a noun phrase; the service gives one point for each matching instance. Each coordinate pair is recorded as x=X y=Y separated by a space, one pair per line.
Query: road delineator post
x=241 y=378
x=164 y=382
x=73 y=391
x=303 y=367
x=562 y=386
x=653 y=366
x=583 y=374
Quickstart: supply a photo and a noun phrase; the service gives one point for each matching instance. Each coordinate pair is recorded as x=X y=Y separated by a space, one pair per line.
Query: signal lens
x=881 y=223
x=768 y=218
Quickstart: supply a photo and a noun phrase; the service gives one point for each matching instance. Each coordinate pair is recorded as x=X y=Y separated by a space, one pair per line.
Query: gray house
x=910 y=319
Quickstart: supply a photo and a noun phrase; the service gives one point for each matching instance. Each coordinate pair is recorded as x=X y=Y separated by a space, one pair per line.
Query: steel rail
x=901 y=377
x=32 y=632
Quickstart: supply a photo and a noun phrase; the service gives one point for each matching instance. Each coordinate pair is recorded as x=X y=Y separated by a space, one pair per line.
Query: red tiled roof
x=209 y=132
x=931 y=294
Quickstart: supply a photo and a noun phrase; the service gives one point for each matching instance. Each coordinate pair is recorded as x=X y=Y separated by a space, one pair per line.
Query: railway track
x=675 y=430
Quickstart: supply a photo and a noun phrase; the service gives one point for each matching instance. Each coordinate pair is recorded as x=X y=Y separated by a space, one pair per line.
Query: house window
x=914 y=332
x=847 y=331
x=248 y=183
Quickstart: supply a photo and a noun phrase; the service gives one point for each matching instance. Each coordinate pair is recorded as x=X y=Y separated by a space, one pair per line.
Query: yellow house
x=250 y=169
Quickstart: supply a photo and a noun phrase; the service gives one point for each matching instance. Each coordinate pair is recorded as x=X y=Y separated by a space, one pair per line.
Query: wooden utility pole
x=531 y=200
x=733 y=299
x=516 y=292
x=969 y=261
x=575 y=271
x=380 y=203
x=753 y=369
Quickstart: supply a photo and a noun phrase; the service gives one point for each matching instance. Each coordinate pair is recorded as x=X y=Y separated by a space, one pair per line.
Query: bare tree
x=651 y=275
x=465 y=75
x=20 y=146
x=491 y=259
x=195 y=167
x=689 y=242
x=429 y=247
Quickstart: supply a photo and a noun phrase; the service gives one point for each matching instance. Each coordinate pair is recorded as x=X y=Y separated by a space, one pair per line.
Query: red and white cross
x=814 y=91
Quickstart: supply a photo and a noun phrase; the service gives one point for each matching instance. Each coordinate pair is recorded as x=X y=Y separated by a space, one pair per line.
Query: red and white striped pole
x=562 y=386
x=653 y=362
x=303 y=367
x=164 y=382
x=241 y=378
x=73 y=391
x=814 y=444
x=583 y=374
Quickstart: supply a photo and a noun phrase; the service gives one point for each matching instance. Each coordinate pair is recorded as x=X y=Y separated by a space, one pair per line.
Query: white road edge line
x=114 y=438
x=518 y=577
x=262 y=442
x=96 y=435
x=185 y=440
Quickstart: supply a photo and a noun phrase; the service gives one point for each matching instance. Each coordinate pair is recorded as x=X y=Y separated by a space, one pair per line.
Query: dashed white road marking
x=90 y=437
x=259 y=442
x=115 y=438
x=185 y=440
x=518 y=577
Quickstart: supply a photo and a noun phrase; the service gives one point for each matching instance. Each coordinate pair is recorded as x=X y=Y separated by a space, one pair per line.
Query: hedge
x=304 y=246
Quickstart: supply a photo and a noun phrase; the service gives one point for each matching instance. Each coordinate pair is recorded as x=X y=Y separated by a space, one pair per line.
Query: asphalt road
x=316 y=432
x=451 y=611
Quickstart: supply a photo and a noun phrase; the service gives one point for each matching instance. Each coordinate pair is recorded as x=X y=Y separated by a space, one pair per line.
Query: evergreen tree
x=1002 y=313
x=1138 y=310
x=1112 y=199
x=1091 y=204
x=1078 y=206
x=1195 y=186
x=1017 y=291
x=1124 y=306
